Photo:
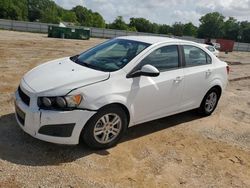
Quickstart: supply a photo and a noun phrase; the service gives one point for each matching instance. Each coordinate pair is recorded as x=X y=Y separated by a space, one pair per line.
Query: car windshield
x=111 y=55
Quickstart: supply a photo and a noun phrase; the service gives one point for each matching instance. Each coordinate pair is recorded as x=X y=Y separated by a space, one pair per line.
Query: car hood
x=62 y=75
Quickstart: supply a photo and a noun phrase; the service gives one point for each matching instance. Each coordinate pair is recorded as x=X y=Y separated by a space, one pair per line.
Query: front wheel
x=105 y=128
x=209 y=102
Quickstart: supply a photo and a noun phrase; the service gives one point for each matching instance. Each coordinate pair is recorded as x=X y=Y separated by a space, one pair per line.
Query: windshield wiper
x=85 y=64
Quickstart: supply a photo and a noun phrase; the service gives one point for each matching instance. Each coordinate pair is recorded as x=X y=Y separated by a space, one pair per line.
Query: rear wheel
x=209 y=102
x=105 y=128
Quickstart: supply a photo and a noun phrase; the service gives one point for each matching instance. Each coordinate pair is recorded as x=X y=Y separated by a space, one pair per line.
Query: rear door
x=155 y=97
x=198 y=73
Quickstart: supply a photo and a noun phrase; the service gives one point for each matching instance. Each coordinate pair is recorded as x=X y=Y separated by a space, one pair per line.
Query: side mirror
x=146 y=70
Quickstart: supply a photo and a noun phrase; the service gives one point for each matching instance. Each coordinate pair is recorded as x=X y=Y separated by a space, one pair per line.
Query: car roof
x=153 y=39
x=206 y=45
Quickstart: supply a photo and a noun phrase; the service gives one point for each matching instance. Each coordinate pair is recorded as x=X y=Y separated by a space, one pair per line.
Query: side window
x=164 y=58
x=195 y=56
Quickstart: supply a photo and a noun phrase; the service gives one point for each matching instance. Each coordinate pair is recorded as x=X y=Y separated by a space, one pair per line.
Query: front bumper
x=31 y=119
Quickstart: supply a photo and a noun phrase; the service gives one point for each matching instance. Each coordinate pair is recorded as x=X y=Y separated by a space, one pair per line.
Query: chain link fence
x=99 y=32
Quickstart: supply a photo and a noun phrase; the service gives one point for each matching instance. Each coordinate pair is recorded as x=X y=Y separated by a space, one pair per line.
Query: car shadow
x=20 y=148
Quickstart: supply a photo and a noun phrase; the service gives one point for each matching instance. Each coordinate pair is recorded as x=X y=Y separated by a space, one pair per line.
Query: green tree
x=97 y=20
x=231 y=29
x=211 y=25
x=132 y=29
x=50 y=15
x=35 y=10
x=154 y=28
x=68 y=16
x=88 y=18
x=15 y=10
x=178 y=29
x=141 y=24
x=119 y=23
x=82 y=15
x=165 y=29
x=244 y=32
x=189 y=30
x=47 y=11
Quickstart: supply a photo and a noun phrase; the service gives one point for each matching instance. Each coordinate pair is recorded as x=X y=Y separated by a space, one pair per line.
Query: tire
x=100 y=132
x=209 y=102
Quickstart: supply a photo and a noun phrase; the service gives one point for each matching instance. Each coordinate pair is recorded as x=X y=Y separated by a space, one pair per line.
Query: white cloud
x=163 y=11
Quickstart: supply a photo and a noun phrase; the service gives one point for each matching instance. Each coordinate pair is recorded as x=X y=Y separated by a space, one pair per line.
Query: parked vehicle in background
x=216 y=45
x=211 y=49
x=97 y=95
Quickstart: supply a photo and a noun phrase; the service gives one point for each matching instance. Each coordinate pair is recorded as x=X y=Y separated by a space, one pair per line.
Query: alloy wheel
x=211 y=102
x=107 y=128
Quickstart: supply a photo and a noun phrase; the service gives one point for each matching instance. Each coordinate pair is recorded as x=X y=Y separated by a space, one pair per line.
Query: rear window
x=195 y=56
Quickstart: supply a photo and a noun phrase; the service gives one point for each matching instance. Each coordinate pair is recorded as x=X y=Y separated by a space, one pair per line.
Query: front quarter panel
x=114 y=90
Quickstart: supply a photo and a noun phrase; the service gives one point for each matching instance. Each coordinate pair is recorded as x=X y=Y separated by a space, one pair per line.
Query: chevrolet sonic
x=98 y=94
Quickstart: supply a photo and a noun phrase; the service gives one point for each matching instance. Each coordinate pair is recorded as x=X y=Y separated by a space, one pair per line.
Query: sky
x=163 y=11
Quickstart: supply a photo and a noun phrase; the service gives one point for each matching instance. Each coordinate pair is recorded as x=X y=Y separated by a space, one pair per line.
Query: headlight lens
x=47 y=102
x=61 y=102
x=72 y=101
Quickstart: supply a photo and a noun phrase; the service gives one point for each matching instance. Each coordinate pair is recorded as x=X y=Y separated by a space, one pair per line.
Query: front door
x=155 y=97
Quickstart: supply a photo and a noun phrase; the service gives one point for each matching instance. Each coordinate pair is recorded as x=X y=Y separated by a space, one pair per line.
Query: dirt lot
x=178 y=151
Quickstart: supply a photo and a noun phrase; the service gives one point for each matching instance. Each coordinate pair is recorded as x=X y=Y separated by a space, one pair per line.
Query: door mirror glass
x=146 y=70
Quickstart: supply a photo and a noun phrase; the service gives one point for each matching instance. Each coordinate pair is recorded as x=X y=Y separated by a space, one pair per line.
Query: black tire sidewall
x=88 y=131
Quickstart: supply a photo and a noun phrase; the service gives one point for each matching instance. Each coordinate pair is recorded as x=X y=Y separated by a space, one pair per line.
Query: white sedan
x=97 y=95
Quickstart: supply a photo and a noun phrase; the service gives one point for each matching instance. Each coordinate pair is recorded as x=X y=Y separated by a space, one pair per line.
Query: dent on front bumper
x=40 y=123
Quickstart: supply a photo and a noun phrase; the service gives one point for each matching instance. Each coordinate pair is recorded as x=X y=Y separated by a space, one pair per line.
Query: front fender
x=112 y=99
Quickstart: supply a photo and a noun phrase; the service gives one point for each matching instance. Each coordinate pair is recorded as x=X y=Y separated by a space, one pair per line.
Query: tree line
x=212 y=25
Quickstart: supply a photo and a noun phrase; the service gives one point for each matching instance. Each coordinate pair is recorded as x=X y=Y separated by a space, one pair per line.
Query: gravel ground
x=236 y=57
x=178 y=151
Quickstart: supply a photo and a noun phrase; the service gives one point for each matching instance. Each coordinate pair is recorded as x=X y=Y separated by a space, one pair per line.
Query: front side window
x=195 y=56
x=164 y=58
x=111 y=55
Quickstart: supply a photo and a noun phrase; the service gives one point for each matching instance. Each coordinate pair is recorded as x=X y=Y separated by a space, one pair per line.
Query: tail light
x=228 y=69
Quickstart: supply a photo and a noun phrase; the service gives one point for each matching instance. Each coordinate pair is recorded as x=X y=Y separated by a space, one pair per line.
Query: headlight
x=72 y=101
x=47 y=102
x=61 y=102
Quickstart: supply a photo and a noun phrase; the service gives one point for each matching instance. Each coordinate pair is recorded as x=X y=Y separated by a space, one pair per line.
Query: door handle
x=178 y=79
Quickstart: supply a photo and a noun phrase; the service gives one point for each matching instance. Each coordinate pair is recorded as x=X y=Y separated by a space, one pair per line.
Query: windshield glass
x=111 y=55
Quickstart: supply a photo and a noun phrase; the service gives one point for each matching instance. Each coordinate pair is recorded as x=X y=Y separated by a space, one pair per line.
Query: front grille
x=25 y=98
x=20 y=115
